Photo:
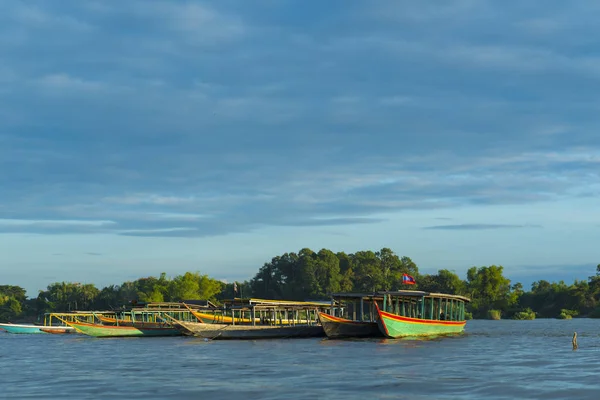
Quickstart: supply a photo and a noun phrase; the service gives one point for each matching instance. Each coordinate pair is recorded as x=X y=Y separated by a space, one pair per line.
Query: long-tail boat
x=98 y=330
x=51 y=324
x=33 y=329
x=219 y=318
x=357 y=316
x=239 y=332
x=283 y=312
x=58 y=330
x=147 y=317
x=268 y=319
x=406 y=313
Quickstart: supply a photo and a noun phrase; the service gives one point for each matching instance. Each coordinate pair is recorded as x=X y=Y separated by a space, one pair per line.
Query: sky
x=145 y=136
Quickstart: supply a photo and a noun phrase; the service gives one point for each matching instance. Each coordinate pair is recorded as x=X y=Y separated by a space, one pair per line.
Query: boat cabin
x=355 y=306
x=273 y=312
x=425 y=305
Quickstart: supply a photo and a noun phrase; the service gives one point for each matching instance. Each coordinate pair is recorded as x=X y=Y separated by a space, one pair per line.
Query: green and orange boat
x=411 y=313
x=136 y=330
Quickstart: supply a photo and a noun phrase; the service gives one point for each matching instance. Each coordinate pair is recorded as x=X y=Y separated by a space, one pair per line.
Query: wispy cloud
x=63 y=222
x=35 y=17
x=149 y=199
x=63 y=83
x=479 y=226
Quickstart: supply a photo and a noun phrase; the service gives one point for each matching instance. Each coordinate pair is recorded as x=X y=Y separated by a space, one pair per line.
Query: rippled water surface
x=492 y=360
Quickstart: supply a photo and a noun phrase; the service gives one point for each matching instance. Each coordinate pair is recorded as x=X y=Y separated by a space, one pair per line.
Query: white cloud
x=50 y=223
x=35 y=17
x=197 y=24
x=178 y=216
x=155 y=231
x=149 y=199
x=63 y=83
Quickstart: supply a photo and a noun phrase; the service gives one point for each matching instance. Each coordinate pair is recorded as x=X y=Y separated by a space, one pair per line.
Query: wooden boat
x=33 y=329
x=240 y=332
x=97 y=330
x=409 y=313
x=60 y=330
x=336 y=327
x=356 y=316
x=151 y=314
x=253 y=311
x=218 y=318
x=266 y=319
x=108 y=321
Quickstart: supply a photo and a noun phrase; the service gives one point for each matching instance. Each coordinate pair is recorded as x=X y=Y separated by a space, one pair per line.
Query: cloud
x=62 y=83
x=38 y=18
x=149 y=199
x=198 y=119
x=49 y=223
x=479 y=226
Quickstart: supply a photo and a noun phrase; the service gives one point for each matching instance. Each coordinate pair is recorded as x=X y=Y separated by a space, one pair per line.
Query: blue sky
x=146 y=136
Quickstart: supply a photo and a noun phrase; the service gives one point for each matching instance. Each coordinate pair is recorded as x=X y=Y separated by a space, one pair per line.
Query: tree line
x=309 y=275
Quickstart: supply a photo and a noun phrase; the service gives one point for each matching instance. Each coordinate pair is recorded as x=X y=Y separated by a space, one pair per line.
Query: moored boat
x=218 y=318
x=21 y=328
x=356 y=316
x=258 y=319
x=336 y=327
x=240 y=332
x=407 y=313
x=98 y=330
x=58 y=330
x=33 y=329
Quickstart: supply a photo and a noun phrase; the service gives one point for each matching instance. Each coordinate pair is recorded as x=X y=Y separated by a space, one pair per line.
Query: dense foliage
x=314 y=275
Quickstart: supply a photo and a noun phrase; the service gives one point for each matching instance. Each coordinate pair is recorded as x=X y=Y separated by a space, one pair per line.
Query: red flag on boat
x=408 y=280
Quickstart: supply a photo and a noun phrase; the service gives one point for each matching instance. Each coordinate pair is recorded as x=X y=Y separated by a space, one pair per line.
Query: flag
x=234 y=287
x=408 y=280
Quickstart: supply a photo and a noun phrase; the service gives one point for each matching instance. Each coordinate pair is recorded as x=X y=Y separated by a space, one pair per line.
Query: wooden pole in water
x=575 y=341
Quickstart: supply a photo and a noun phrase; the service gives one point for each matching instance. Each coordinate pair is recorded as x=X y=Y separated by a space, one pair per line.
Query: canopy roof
x=398 y=293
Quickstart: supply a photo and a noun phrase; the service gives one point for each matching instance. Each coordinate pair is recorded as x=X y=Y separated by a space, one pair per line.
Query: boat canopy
x=418 y=293
x=272 y=304
x=365 y=296
x=400 y=293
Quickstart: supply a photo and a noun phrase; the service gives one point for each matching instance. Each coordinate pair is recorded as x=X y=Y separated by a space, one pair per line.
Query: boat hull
x=395 y=326
x=124 y=322
x=58 y=330
x=241 y=332
x=336 y=328
x=22 y=328
x=96 y=330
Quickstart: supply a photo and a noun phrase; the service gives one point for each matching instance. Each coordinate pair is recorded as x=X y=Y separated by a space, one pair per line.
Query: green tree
x=488 y=290
x=444 y=281
x=12 y=302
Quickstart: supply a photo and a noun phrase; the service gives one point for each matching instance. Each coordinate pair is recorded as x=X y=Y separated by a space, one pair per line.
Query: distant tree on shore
x=314 y=275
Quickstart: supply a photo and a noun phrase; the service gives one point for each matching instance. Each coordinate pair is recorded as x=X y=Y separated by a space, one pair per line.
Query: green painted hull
x=395 y=326
x=122 y=331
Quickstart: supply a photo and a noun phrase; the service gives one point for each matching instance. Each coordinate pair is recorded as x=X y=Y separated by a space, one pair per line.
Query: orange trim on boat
x=113 y=326
x=341 y=320
x=418 y=320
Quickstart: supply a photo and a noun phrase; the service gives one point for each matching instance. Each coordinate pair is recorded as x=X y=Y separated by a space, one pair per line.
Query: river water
x=492 y=360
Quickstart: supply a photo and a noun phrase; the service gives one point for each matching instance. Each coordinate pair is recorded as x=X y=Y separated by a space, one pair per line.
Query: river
x=492 y=360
